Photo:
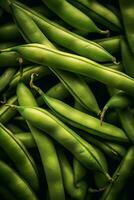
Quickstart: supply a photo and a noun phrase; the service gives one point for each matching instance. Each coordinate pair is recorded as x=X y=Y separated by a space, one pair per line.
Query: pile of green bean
x=66 y=99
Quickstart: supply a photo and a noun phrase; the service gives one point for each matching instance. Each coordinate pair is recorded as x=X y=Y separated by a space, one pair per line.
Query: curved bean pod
x=121 y=175
x=101 y=14
x=23 y=21
x=113 y=150
x=64 y=10
x=6 y=77
x=78 y=87
x=68 y=39
x=12 y=180
x=90 y=124
x=79 y=90
x=76 y=192
x=19 y=155
x=6 y=112
x=57 y=59
x=64 y=135
x=111 y=44
x=46 y=148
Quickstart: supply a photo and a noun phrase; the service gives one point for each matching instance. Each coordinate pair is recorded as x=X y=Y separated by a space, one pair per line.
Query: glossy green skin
x=46 y=148
x=67 y=39
x=76 y=85
x=6 y=77
x=127 y=9
x=6 y=194
x=47 y=122
x=127 y=58
x=9 y=32
x=78 y=20
x=113 y=150
x=7 y=112
x=12 y=180
x=127 y=121
x=79 y=90
x=26 y=26
x=75 y=191
x=84 y=121
x=40 y=54
x=19 y=155
x=123 y=172
x=111 y=44
x=100 y=14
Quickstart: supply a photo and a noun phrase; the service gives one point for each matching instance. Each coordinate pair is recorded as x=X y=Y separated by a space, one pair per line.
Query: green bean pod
x=23 y=21
x=19 y=155
x=79 y=90
x=121 y=175
x=45 y=145
x=7 y=112
x=47 y=122
x=111 y=44
x=6 y=77
x=99 y=13
x=112 y=150
x=127 y=58
x=9 y=32
x=76 y=85
x=127 y=121
x=57 y=59
x=67 y=39
x=90 y=124
x=80 y=21
x=75 y=191
x=127 y=9
x=12 y=180
x=119 y=100
x=6 y=194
